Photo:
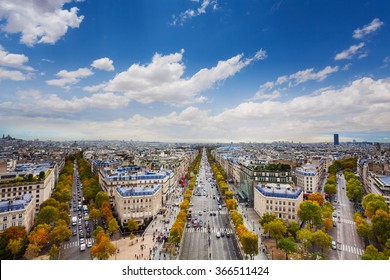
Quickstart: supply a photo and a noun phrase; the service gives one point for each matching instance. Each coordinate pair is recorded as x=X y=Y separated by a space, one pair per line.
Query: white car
x=82 y=241
x=89 y=244
x=334 y=245
x=218 y=234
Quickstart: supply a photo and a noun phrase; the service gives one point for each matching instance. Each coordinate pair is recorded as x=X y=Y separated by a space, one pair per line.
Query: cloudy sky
x=195 y=70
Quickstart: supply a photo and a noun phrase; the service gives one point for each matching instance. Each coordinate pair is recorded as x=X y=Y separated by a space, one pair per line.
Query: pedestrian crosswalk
x=352 y=249
x=72 y=244
x=212 y=230
x=345 y=221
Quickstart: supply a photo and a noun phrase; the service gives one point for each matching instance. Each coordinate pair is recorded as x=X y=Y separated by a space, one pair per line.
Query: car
x=82 y=241
x=80 y=227
x=204 y=210
x=211 y=213
x=334 y=215
x=334 y=245
x=188 y=225
x=222 y=234
x=74 y=232
x=214 y=214
x=334 y=224
x=227 y=235
x=200 y=213
x=218 y=235
x=89 y=244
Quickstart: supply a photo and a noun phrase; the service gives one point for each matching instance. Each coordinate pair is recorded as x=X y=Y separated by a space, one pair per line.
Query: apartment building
x=17 y=212
x=136 y=202
x=309 y=176
x=134 y=176
x=280 y=199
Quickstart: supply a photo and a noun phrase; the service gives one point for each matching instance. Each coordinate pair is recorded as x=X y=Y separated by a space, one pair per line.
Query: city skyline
x=195 y=71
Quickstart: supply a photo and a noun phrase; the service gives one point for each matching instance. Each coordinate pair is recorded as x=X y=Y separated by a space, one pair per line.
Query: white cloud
x=38 y=21
x=190 y=13
x=103 y=64
x=162 y=79
x=14 y=60
x=67 y=78
x=362 y=106
x=350 y=52
x=293 y=80
x=360 y=33
x=13 y=75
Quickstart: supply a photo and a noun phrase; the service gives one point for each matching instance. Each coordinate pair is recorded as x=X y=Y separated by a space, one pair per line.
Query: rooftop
x=279 y=190
x=13 y=205
x=138 y=191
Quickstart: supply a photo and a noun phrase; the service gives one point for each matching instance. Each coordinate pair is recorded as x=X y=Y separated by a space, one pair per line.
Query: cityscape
x=126 y=200
x=194 y=130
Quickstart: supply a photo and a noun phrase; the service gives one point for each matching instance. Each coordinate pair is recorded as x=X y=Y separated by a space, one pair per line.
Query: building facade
x=280 y=199
x=138 y=203
x=309 y=176
x=17 y=212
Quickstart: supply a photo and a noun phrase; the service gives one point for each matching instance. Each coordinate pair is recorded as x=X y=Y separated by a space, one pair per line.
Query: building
x=139 y=203
x=280 y=199
x=309 y=177
x=380 y=185
x=336 y=139
x=134 y=176
x=11 y=188
x=17 y=212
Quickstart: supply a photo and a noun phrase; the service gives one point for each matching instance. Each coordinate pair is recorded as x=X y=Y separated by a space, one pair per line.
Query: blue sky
x=195 y=70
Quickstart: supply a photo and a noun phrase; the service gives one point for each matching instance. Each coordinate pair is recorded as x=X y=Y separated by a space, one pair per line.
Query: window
x=13 y=217
x=5 y=218
x=4 y=226
x=20 y=223
x=13 y=224
x=20 y=216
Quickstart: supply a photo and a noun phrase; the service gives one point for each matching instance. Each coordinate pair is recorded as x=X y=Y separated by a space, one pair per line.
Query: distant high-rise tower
x=336 y=139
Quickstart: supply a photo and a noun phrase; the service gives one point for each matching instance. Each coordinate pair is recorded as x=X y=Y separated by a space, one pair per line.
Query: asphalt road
x=202 y=243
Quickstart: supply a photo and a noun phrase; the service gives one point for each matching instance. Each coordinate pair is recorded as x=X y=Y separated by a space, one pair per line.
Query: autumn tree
x=100 y=198
x=54 y=252
x=132 y=225
x=95 y=214
x=60 y=233
x=229 y=194
x=113 y=226
x=250 y=243
x=12 y=233
x=32 y=251
x=40 y=235
x=305 y=236
x=293 y=228
x=106 y=211
x=103 y=247
x=381 y=225
x=288 y=246
x=97 y=230
x=371 y=203
x=185 y=204
x=317 y=197
x=231 y=204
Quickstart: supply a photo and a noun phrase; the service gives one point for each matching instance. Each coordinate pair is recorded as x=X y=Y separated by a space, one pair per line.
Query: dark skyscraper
x=335 y=139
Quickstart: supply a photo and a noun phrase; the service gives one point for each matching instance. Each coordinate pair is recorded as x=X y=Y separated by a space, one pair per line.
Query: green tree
x=330 y=189
x=41 y=176
x=276 y=229
x=132 y=225
x=372 y=253
x=100 y=198
x=305 y=236
x=54 y=253
x=371 y=203
x=381 y=225
x=113 y=225
x=288 y=246
x=60 y=233
x=266 y=218
x=95 y=214
x=47 y=215
x=310 y=211
x=32 y=251
x=97 y=230
x=293 y=228
x=322 y=240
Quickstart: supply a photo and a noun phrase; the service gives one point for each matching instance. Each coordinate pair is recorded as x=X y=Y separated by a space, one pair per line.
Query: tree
x=103 y=247
x=250 y=243
x=10 y=233
x=293 y=228
x=231 y=204
x=175 y=233
x=330 y=189
x=355 y=192
x=95 y=214
x=317 y=197
x=15 y=246
x=47 y=215
x=113 y=225
x=327 y=223
x=132 y=225
x=40 y=235
x=310 y=211
x=266 y=218
x=100 y=198
x=276 y=229
x=305 y=236
x=60 y=233
x=32 y=251
x=288 y=246
x=371 y=203
x=97 y=230
x=184 y=205
x=41 y=176
x=322 y=239
x=381 y=225
x=372 y=253
x=54 y=253
x=229 y=194
x=106 y=211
